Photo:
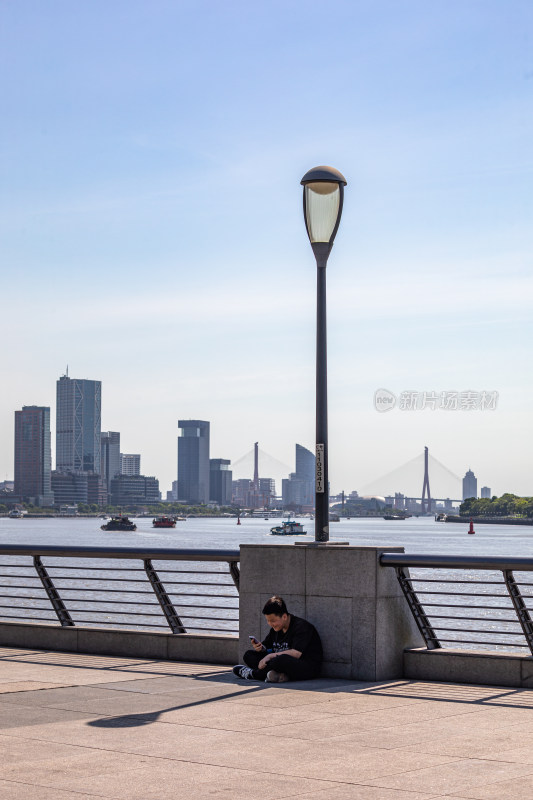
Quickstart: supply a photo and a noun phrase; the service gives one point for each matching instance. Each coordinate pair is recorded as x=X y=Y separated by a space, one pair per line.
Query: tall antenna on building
x=66 y=373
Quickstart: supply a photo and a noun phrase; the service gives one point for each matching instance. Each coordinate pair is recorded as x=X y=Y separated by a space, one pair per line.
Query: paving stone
x=426 y=735
x=13 y=790
x=455 y=777
x=64 y=765
x=490 y=743
x=159 y=779
x=19 y=716
x=27 y=686
x=511 y=789
x=360 y=792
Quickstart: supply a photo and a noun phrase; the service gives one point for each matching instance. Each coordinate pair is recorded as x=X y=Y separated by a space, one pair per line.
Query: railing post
x=165 y=602
x=522 y=612
x=53 y=595
x=235 y=573
x=421 y=619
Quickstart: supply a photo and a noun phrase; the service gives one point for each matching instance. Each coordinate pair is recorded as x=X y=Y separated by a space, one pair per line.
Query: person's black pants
x=296 y=669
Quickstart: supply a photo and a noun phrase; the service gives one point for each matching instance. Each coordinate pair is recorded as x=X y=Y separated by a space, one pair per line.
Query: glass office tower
x=110 y=456
x=78 y=425
x=193 y=461
x=33 y=460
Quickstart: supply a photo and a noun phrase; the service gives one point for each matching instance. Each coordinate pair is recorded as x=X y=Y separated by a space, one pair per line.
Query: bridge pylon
x=426 y=500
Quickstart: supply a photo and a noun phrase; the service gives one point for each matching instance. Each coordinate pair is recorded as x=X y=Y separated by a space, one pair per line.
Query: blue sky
x=151 y=232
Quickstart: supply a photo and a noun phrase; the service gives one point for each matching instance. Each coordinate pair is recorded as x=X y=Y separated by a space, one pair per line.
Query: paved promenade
x=81 y=726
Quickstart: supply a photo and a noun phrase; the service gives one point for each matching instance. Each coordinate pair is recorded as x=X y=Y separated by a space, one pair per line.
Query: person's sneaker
x=275 y=677
x=242 y=671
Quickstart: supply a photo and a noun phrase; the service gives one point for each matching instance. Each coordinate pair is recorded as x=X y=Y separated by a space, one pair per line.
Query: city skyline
x=152 y=230
x=78 y=409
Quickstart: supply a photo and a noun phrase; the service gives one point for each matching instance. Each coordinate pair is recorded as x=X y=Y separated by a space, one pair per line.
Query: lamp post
x=323 y=196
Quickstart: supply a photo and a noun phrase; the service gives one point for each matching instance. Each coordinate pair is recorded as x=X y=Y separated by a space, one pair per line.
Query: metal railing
x=185 y=590
x=485 y=593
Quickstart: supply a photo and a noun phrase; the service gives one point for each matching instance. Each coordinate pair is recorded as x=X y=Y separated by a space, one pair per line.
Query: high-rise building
x=469 y=485
x=267 y=491
x=193 y=461
x=220 y=480
x=305 y=464
x=242 y=492
x=130 y=464
x=70 y=487
x=33 y=460
x=110 y=456
x=298 y=490
x=127 y=490
x=485 y=492
x=78 y=422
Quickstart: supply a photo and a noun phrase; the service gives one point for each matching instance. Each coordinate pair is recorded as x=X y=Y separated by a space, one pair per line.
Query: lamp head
x=323 y=196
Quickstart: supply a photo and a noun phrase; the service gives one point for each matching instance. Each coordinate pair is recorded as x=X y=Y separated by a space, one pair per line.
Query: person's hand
x=264 y=661
x=257 y=646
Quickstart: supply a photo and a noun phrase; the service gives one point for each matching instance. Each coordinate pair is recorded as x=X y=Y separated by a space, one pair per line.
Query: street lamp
x=323 y=196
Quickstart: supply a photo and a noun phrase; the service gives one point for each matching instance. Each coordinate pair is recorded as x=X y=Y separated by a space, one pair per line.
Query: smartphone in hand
x=253 y=639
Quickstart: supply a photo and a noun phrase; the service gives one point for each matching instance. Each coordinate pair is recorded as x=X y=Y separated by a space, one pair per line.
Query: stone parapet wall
x=494 y=668
x=209 y=649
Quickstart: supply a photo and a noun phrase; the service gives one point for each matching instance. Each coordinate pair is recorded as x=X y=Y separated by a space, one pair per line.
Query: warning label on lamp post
x=319 y=471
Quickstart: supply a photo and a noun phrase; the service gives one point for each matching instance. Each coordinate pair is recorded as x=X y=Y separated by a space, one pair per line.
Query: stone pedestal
x=356 y=605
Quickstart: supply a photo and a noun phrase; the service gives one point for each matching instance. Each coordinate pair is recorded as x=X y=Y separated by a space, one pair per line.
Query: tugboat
x=121 y=523
x=288 y=528
x=164 y=522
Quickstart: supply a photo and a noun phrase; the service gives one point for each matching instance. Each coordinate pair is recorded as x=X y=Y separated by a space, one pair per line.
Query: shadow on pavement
x=138 y=720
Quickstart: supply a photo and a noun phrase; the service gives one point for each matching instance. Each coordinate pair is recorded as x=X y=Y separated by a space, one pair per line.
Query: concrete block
x=463 y=666
x=266 y=566
x=213 y=649
x=123 y=643
x=45 y=637
x=356 y=605
x=526 y=672
x=333 y=669
x=332 y=617
x=386 y=580
x=395 y=631
x=343 y=571
x=363 y=639
x=250 y=619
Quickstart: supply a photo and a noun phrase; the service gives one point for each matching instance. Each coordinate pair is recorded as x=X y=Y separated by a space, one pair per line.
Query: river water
x=416 y=534
x=209 y=601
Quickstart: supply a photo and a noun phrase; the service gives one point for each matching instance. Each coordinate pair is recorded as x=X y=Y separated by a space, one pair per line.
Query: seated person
x=291 y=651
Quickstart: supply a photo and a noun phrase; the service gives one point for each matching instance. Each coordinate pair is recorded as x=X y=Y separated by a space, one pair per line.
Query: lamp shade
x=322 y=202
x=323 y=194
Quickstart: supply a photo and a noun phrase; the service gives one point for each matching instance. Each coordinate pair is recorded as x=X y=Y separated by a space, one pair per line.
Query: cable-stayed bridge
x=418 y=479
x=409 y=480
x=269 y=467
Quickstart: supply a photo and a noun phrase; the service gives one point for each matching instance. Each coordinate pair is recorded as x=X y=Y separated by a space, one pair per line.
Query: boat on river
x=121 y=523
x=288 y=528
x=164 y=522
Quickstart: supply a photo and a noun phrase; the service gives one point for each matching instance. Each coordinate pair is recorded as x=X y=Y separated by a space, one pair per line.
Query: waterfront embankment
x=490 y=520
